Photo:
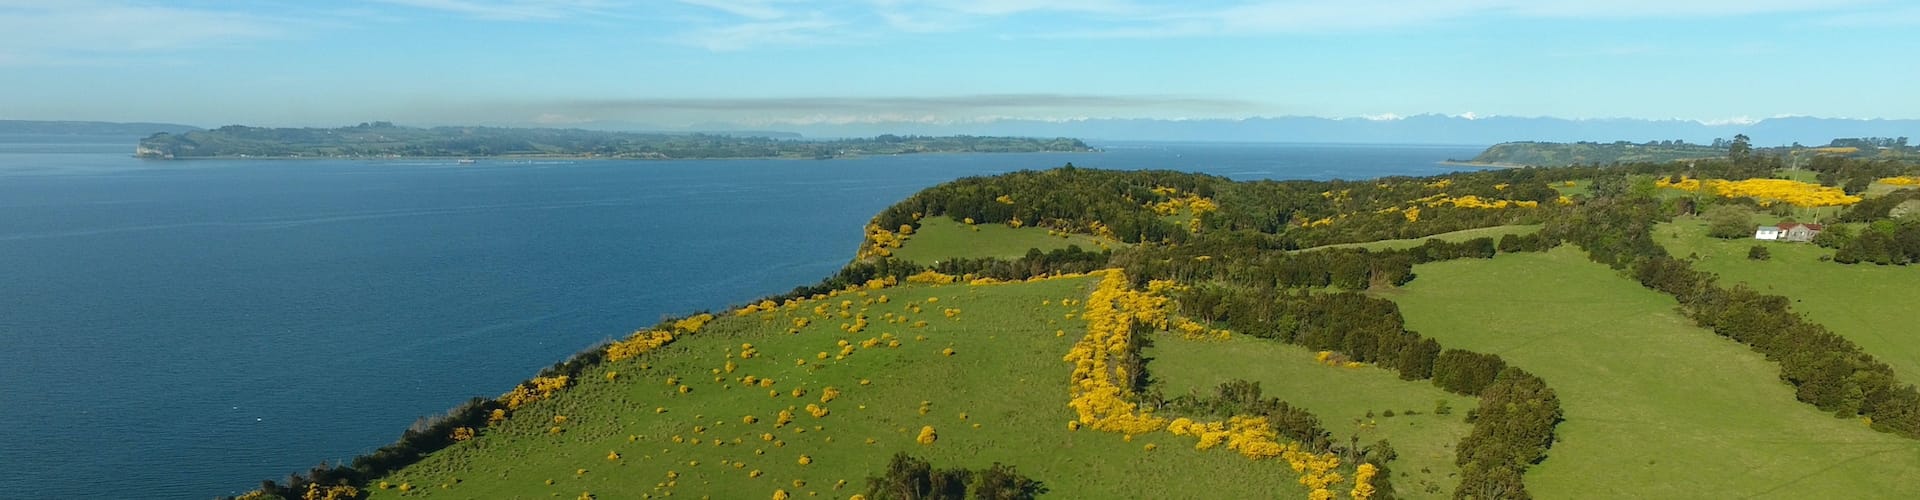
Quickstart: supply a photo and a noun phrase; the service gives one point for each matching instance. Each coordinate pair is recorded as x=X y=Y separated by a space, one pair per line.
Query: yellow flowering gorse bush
x=1766 y=191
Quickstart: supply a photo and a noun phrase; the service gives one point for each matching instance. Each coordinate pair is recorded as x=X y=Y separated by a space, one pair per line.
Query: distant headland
x=386 y=140
x=1556 y=154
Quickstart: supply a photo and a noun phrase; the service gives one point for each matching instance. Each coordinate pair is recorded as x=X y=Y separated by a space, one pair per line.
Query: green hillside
x=1001 y=397
x=1473 y=335
x=1656 y=407
x=1495 y=232
x=1868 y=304
x=1554 y=154
x=941 y=238
x=1356 y=402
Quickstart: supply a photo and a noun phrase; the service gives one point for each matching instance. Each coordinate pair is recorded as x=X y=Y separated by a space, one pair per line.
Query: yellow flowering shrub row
x=338 y=492
x=1412 y=210
x=1102 y=403
x=1102 y=230
x=542 y=388
x=639 y=343
x=642 y=342
x=880 y=242
x=1252 y=437
x=1901 y=181
x=1192 y=330
x=1471 y=201
x=1331 y=358
x=1097 y=395
x=932 y=277
x=1766 y=191
x=1363 y=481
x=1175 y=203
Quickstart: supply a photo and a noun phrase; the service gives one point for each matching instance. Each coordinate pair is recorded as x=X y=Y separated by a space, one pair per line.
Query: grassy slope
x=1655 y=407
x=1457 y=236
x=1007 y=376
x=1579 y=187
x=940 y=238
x=1341 y=397
x=1868 y=304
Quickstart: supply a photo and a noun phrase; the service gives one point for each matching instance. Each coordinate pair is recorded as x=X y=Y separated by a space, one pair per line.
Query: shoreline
x=581 y=158
x=1482 y=164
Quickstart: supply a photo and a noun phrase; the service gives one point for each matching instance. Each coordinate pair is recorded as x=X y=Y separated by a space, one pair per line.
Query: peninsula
x=1556 y=154
x=386 y=140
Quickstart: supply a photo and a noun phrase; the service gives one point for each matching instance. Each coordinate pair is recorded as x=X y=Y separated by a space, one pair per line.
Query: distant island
x=386 y=140
x=1554 y=154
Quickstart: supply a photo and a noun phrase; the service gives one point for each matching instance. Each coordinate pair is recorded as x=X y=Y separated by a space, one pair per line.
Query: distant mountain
x=1420 y=129
x=90 y=128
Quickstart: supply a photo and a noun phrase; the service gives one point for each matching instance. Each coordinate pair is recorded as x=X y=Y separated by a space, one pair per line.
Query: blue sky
x=692 y=63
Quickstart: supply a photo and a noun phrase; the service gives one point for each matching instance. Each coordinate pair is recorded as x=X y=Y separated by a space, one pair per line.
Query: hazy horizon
x=775 y=63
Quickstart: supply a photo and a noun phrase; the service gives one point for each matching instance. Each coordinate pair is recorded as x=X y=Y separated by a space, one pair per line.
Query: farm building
x=1787 y=231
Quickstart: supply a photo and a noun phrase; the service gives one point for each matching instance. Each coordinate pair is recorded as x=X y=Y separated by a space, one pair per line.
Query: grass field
x=1494 y=232
x=940 y=238
x=1868 y=304
x=1000 y=397
x=1880 y=189
x=1655 y=407
x=1579 y=187
x=1343 y=398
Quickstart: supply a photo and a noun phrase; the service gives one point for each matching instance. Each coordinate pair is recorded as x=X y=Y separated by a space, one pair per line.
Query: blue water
x=186 y=329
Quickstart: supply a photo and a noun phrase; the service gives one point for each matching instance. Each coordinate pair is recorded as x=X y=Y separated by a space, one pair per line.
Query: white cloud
x=33 y=29
x=513 y=10
x=727 y=25
x=813 y=30
x=760 y=10
x=1337 y=16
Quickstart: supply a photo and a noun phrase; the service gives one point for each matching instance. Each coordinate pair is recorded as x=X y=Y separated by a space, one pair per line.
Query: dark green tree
x=1729 y=222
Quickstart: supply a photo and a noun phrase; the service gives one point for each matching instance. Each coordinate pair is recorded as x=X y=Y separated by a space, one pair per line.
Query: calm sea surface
x=186 y=329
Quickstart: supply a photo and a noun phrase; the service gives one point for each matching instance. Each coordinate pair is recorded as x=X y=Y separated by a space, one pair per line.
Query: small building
x=1787 y=231
x=1794 y=231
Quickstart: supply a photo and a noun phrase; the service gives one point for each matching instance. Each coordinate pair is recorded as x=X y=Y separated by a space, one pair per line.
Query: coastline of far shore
x=1481 y=164
x=562 y=156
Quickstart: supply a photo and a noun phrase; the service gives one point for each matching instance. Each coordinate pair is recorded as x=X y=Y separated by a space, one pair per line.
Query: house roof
x=1766 y=228
x=1789 y=225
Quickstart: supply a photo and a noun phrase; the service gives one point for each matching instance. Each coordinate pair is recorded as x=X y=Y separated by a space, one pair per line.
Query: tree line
x=1826 y=370
x=913 y=478
x=1513 y=425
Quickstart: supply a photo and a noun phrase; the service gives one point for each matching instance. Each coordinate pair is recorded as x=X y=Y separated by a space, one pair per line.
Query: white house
x=1767 y=233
